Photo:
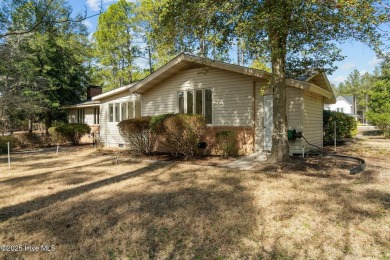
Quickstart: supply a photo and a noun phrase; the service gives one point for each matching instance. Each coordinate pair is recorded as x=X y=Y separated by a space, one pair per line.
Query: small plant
x=72 y=132
x=13 y=142
x=226 y=142
x=139 y=135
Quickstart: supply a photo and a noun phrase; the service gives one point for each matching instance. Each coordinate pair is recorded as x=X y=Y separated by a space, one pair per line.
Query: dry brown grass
x=90 y=208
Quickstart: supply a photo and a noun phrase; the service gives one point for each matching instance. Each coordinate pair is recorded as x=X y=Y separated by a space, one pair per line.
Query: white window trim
x=194 y=102
x=118 y=105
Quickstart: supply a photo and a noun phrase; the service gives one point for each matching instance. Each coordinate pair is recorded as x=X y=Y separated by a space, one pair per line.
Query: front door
x=268 y=122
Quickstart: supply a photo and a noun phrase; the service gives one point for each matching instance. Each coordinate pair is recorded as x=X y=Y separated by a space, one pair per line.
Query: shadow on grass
x=46 y=176
x=43 y=202
x=177 y=214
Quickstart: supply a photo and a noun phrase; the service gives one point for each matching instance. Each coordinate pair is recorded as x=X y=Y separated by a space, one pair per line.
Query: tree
x=46 y=67
x=297 y=35
x=114 y=44
x=260 y=64
x=379 y=100
x=358 y=86
x=36 y=20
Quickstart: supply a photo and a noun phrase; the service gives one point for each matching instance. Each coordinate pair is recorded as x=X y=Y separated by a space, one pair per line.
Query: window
x=130 y=110
x=181 y=102
x=117 y=112
x=96 y=115
x=190 y=102
x=123 y=112
x=120 y=111
x=110 y=112
x=80 y=115
x=342 y=109
x=197 y=102
x=208 y=105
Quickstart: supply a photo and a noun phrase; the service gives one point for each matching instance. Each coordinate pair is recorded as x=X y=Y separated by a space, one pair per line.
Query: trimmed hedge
x=56 y=137
x=182 y=132
x=72 y=132
x=346 y=126
x=13 y=142
x=139 y=135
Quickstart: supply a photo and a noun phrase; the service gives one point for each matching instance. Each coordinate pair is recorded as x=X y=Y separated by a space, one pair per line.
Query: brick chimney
x=93 y=91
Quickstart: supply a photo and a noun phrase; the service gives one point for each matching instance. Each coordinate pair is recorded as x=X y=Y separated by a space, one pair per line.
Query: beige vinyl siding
x=109 y=132
x=232 y=95
x=312 y=121
x=294 y=117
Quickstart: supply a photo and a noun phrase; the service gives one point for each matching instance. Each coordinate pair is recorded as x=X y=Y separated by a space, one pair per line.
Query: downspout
x=254 y=116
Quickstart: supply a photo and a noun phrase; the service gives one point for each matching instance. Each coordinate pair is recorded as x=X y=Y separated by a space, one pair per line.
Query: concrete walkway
x=247 y=162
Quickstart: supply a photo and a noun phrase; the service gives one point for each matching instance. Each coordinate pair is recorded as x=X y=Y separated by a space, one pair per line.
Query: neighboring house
x=87 y=112
x=344 y=104
x=230 y=97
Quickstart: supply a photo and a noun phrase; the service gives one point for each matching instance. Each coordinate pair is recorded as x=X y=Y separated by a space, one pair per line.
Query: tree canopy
x=45 y=68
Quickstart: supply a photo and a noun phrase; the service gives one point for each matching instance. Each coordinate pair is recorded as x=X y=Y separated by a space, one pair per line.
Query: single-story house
x=231 y=97
x=87 y=112
x=344 y=104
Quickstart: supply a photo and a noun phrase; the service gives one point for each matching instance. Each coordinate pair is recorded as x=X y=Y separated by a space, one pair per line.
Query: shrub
x=227 y=142
x=56 y=137
x=156 y=123
x=346 y=126
x=13 y=142
x=182 y=132
x=72 y=132
x=137 y=132
x=381 y=121
x=29 y=139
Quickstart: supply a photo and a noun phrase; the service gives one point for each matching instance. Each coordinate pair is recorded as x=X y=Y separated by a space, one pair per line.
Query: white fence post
x=335 y=136
x=9 y=157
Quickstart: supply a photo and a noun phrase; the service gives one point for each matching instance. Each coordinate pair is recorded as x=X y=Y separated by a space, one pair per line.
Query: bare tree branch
x=42 y=17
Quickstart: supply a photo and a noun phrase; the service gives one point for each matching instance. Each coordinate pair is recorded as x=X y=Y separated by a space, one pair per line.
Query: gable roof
x=346 y=100
x=320 y=79
x=83 y=105
x=113 y=92
x=184 y=61
x=349 y=99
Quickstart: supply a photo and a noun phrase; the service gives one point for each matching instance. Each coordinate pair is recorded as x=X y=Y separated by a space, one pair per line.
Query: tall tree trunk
x=280 y=148
x=48 y=122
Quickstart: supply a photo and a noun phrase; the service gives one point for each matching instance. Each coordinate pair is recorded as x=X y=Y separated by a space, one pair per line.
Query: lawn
x=89 y=207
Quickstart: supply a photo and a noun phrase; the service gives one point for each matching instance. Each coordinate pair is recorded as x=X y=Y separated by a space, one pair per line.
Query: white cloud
x=338 y=80
x=374 y=61
x=363 y=71
x=348 y=66
x=88 y=24
x=94 y=4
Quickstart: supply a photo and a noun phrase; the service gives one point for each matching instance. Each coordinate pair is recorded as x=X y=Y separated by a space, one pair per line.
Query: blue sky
x=358 y=56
